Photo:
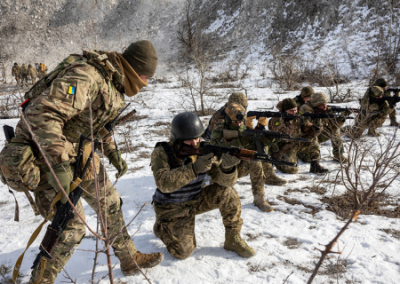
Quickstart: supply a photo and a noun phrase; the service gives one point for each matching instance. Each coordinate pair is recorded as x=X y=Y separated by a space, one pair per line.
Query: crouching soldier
x=372 y=114
x=330 y=127
x=305 y=95
x=298 y=128
x=181 y=193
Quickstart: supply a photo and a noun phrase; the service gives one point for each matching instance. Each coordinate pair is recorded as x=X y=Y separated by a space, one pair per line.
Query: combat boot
x=261 y=203
x=373 y=132
x=234 y=242
x=316 y=168
x=270 y=177
x=143 y=260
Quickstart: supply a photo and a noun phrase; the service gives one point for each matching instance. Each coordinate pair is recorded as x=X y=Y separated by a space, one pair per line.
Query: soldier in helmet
x=58 y=115
x=372 y=115
x=219 y=116
x=16 y=72
x=181 y=193
x=228 y=134
x=299 y=128
x=305 y=95
x=331 y=128
x=382 y=82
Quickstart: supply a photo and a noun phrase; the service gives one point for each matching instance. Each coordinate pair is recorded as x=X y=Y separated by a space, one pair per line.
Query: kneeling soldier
x=181 y=193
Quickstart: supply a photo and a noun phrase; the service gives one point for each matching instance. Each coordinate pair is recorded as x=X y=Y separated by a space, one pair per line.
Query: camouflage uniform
x=305 y=92
x=330 y=131
x=365 y=119
x=32 y=73
x=16 y=72
x=288 y=151
x=58 y=118
x=24 y=74
x=254 y=168
x=175 y=222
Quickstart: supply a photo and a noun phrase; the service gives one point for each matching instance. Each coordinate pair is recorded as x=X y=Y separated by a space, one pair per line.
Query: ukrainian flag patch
x=71 y=90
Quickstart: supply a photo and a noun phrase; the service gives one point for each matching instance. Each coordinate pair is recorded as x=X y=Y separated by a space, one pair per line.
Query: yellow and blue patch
x=71 y=90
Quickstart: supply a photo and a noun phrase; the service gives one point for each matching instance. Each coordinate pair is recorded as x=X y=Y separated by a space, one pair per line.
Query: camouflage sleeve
x=215 y=120
x=168 y=180
x=217 y=139
x=67 y=97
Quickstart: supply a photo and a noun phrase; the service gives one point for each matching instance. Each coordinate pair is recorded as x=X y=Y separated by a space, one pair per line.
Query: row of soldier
x=57 y=115
x=23 y=74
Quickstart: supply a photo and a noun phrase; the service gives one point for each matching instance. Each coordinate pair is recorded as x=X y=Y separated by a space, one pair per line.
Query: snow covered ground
x=286 y=240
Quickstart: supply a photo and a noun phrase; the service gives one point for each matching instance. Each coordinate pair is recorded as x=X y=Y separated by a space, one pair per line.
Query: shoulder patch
x=277 y=123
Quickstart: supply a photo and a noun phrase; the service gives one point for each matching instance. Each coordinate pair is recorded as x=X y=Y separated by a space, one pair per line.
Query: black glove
x=203 y=163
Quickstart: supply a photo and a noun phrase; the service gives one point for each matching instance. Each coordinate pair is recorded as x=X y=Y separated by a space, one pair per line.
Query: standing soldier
x=24 y=75
x=228 y=134
x=181 y=194
x=372 y=115
x=43 y=70
x=330 y=127
x=85 y=92
x=32 y=73
x=305 y=95
x=298 y=128
x=219 y=117
x=16 y=72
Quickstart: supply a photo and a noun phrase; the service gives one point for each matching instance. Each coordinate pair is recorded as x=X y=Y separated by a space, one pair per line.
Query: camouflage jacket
x=16 y=71
x=61 y=112
x=169 y=180
x=331 y=124
x=366 y=106
x=299 y=101
x=32 y=72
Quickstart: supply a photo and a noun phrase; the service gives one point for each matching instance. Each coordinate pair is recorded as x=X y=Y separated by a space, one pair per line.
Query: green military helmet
x=186 y=126
x=288 y=104
x=376 y=91
x=235 y=112
x=381 y=82
x=15 y=63
x=239 y=98
x=318 y=99
x=306 y=92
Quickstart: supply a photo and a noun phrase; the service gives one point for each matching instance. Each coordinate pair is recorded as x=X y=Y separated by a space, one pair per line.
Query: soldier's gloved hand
x=119 y=163
x=203 y=163
x=228 y=161
x=64 y=176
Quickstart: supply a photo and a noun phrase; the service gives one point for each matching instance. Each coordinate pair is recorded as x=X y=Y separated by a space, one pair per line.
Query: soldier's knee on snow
x=288 y=170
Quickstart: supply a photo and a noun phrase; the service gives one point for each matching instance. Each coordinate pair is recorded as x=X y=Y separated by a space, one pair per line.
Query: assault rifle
x=391 y=100
x=257 y=134
x=242 y=154
x=394 y=90
x=343 y=109
x=65 y=212
x=324 y=114
x=259 y=114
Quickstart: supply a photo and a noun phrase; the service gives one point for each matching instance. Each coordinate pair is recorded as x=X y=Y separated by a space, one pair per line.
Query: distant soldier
x=37 y=68
x=372 y=116
x=16 y=72
x=42 y=70
x=330 y=127
x=298 y=128
x=3 y=73
x=305 y=95
x=24 y=74
x=219 y=118
x=382 y=82
x=32 y=73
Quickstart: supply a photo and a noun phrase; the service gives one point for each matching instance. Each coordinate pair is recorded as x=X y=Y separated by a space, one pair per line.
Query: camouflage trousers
x=75 y=230
x=18 y=79
x=335 y=136
x=362 y=122
x=290 y=152
x=255 y=169
x=175 y=223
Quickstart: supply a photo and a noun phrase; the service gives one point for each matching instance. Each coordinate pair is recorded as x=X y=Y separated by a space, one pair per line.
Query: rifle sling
x=74 y=184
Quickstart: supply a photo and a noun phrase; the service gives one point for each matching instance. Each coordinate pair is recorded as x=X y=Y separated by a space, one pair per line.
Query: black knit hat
x=288 y=104
x=142 y=56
